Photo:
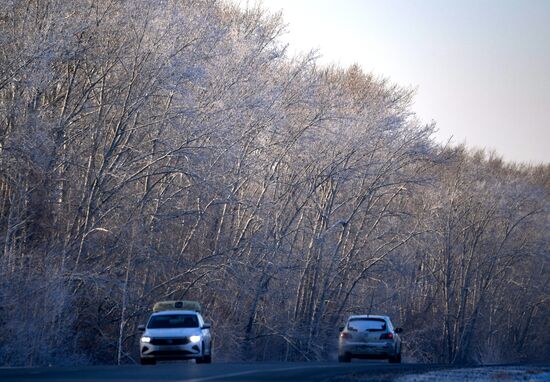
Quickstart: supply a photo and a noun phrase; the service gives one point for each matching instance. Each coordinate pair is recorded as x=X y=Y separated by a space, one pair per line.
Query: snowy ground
x=483 y=374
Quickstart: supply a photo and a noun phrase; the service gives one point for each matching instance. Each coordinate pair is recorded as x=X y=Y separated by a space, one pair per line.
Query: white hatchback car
x=177 y=333
x=369 y=336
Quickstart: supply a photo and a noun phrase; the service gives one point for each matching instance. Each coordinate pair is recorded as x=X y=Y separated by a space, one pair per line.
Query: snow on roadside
x=483 y=374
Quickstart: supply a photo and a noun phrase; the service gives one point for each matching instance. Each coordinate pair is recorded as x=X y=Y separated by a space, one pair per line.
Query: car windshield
x=367 y=324
x=168 y=321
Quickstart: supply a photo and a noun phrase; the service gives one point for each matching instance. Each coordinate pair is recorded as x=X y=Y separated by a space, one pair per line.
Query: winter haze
x=177 y=150
x=480 y=67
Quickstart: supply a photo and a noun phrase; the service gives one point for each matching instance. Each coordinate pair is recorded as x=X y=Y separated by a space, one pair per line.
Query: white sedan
x=175 y=334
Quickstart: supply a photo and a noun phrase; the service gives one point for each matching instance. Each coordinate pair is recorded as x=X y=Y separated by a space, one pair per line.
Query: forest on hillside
x=173 y=149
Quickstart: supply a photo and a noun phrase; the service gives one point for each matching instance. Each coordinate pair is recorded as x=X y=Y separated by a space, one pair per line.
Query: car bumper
x=371 y=348
x=169 y=352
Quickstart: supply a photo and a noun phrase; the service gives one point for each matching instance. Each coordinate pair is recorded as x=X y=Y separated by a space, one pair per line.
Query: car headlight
x=146 y=339
x=195 y=339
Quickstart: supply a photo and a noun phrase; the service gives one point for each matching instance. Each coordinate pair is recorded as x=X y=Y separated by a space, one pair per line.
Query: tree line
x=174 y=150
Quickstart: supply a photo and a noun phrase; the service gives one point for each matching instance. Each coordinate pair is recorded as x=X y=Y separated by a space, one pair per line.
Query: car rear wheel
x=344 y=357
x=395 y=359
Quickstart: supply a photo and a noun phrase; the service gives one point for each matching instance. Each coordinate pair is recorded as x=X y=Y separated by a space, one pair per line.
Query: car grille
x=166 y=353
x=170 y=341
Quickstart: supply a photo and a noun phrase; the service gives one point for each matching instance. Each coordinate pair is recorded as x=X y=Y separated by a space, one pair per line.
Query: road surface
x=235 y=372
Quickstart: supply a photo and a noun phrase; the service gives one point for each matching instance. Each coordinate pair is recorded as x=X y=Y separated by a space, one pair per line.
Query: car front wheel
x=205 y=359
x=147 y=361
x=395 y=359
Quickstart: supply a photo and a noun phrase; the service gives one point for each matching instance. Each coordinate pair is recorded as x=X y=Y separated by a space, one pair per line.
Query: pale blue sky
x=481 y=68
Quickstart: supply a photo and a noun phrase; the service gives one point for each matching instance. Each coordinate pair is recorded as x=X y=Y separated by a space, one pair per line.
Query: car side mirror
x=341 y=328
x=206 y=326
x=141 y=328
x=398 y=330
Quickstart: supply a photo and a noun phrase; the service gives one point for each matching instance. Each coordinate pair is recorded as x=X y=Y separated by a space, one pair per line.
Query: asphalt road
x=190 y=372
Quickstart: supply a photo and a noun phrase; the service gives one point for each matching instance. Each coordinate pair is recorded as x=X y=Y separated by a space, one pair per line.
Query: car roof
x=179 y=311
x=385 y=318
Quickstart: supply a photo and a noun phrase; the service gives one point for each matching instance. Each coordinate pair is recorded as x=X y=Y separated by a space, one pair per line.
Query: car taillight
x=345 y=335
x=387 y=336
